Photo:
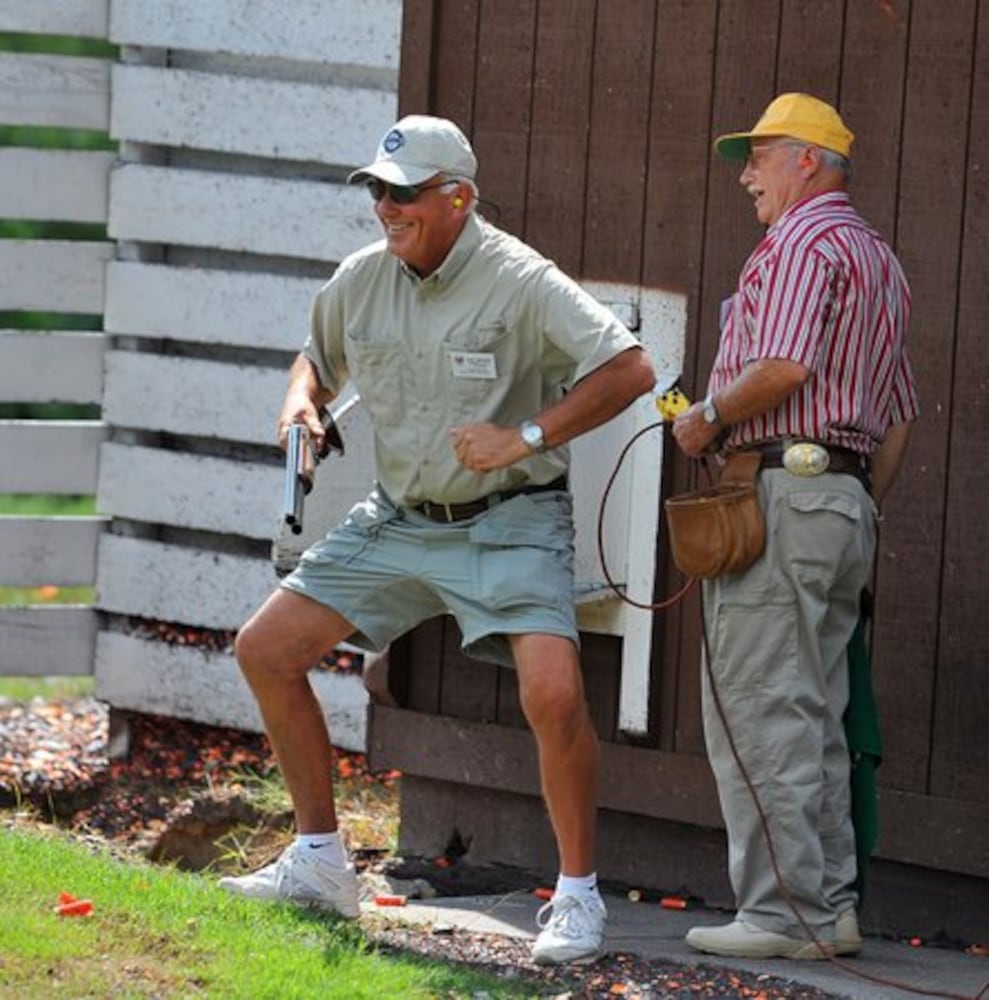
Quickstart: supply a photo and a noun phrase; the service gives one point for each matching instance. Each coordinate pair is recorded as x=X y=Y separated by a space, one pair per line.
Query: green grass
x=162 y=933
x=25 y=229
x=46 y=505
x=23 y=689
x=87 y=322
x=19 y=597
x=60 y=45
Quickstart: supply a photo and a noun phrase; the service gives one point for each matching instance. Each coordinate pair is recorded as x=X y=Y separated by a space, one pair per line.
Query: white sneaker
x=572 y=930
x=847 y=939
x=299 y=876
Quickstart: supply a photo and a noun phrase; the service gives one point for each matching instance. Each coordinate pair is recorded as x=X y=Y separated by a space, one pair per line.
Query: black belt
x=841 y=460
x=447 y=513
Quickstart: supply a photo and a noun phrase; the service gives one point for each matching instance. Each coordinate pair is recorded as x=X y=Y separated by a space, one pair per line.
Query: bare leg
x=276 y=648
x=552 y=694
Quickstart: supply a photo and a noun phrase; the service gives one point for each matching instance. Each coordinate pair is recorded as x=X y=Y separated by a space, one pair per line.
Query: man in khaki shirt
x=478 y=360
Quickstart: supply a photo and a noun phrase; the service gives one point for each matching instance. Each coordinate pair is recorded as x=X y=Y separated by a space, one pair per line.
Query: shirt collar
x=824 y=199
x=466 y=243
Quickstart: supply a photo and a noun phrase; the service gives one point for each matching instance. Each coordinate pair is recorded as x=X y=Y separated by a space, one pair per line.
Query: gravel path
x=616 y=975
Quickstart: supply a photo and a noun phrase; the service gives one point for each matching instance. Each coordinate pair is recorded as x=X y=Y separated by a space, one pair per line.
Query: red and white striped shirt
x=824 y=290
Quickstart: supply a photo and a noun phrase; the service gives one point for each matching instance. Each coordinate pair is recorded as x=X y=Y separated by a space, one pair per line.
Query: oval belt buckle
x=806 y=459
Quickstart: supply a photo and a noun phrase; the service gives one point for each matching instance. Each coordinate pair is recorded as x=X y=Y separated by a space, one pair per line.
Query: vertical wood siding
x=594 y=127
x=960 y=747
x=930 y=208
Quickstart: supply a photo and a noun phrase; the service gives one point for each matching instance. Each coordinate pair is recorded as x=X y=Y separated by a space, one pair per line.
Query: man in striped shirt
x=812 y=354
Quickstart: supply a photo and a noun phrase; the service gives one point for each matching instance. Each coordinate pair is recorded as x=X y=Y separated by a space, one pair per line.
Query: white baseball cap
x=419 y=147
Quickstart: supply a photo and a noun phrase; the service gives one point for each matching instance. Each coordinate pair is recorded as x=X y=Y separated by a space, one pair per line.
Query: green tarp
x=865 y=748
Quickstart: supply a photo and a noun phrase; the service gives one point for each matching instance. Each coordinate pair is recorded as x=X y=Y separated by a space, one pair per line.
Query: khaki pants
x=778 y=635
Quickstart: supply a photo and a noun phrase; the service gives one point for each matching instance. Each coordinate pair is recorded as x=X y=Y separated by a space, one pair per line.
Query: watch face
x=532 y=435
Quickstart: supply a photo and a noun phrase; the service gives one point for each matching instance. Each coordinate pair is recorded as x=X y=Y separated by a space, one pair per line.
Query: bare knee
x=551 y=688
x=286 y=637
x=555 y=705
x=254 y=646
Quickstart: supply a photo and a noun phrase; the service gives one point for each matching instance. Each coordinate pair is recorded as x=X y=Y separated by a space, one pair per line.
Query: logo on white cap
x=393 y=142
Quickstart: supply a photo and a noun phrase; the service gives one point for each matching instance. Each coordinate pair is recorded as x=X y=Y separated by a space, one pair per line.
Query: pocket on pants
x=351 y=537
x=523 y=553
x=755 y=644
x=826 y=536
x=757 y=674
x=835 y=503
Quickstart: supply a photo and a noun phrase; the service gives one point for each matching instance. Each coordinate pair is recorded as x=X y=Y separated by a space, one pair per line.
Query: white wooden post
x=633 y=513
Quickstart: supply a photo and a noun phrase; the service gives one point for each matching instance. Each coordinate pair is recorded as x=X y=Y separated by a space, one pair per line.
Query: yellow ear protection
x=458 y=202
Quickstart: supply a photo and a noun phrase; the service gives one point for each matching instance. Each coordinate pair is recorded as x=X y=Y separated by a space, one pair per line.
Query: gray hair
x=835 y=161
x=831 y=160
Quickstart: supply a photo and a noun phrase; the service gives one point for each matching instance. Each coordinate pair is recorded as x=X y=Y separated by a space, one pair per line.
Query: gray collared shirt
x=495 y=334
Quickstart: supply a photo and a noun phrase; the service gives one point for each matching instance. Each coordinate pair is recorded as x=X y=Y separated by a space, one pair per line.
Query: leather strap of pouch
x=740 y=467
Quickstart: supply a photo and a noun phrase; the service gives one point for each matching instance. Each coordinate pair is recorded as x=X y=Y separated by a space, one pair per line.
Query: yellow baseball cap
x=797 y=116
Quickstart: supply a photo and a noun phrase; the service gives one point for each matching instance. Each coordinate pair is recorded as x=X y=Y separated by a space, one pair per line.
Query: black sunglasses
x=401 y=194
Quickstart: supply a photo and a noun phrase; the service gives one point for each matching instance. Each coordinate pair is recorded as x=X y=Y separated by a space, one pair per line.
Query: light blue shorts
x=508 y=571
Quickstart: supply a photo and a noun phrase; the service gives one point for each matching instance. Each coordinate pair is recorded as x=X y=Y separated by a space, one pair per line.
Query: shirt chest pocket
x=376 y=369
x=479 y=367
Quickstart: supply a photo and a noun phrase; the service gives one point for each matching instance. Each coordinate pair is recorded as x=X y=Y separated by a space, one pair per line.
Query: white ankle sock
x=577 y=885
x=327 y=847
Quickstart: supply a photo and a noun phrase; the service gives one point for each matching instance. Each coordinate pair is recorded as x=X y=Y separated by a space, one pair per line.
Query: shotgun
x=301 y=459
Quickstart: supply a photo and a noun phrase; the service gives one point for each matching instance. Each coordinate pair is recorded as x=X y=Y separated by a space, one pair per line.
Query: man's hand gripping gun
x=301 y=459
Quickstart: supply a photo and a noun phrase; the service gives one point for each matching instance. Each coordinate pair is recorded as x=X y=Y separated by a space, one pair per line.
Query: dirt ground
x=185 y=788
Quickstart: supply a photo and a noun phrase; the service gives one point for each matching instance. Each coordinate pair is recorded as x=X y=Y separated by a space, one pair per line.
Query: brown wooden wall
x=593 y=121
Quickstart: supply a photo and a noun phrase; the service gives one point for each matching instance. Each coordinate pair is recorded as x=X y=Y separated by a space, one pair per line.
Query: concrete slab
x=655 y=933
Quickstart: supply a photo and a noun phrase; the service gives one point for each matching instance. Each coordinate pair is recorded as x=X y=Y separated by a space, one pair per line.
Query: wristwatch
x=710 y=411
x=532 y=435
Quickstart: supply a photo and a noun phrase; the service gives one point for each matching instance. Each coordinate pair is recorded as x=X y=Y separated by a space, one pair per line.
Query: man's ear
x=809 y=161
